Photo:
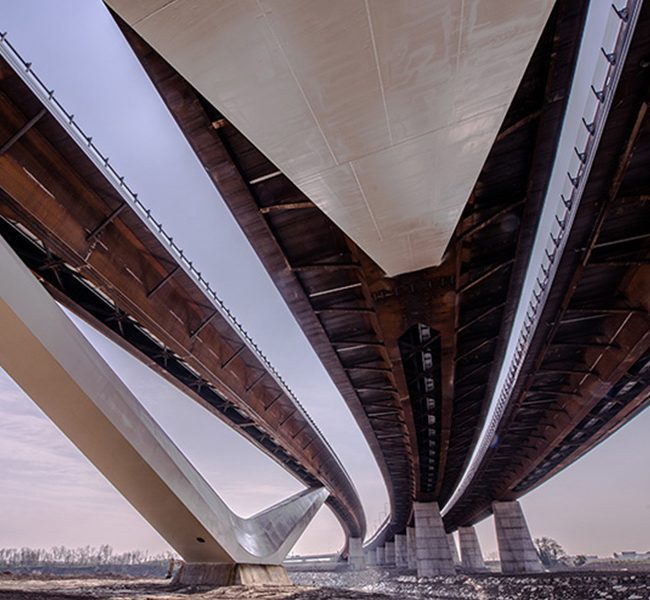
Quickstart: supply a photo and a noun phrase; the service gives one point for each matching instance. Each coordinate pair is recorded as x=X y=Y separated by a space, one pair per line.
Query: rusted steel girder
x=587 y=371
x=99 y=258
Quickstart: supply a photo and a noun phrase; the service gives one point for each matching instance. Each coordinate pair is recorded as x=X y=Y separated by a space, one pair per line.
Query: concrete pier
x=389 y=548
x=432 y=547
x=230 y=574
x=470 y=549
x=45 y=353
x=516 y=549
x=356 y=559
x=401 y=558
x=453 y=549
x=371 y=558
x=410 y=548
x=381 y=556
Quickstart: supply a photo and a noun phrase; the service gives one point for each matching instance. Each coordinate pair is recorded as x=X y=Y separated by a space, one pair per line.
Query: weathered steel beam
x=288 y=206
x=163 y=281
x=22 y=131
x=106 y=222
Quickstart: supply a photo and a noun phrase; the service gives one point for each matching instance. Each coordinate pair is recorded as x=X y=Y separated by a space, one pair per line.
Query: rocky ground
x=546 y=586
x=372 y=584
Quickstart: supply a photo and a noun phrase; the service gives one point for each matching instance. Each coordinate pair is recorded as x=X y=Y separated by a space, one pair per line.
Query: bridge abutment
x=470 y=549
x=516 y=549
x=432 y=547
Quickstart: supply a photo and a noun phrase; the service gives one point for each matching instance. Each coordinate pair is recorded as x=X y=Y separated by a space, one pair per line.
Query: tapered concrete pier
x=470 y=549
x=381 y=556
x=389 y=548
x=516 y=549
x=432 y=547
x=411 y=548
x=401 y=558
x=453 y=549
x=356 y=559
x=371 y=558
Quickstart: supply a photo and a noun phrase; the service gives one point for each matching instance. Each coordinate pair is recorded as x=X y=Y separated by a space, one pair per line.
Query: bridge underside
x=97 y=256
x=47 y=355
x=359 y=102
x=412 y=355
x=587 y=372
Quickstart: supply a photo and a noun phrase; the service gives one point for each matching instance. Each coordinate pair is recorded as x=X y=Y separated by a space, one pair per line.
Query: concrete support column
x=389 y=548
x=355 y=554
x=452 y=548
x=381 y=556
x=401 y=559
x=470 y=549
x=45 y=353
x=371 y=558
x=432 y=548
x=516 y=550
x=410 y=548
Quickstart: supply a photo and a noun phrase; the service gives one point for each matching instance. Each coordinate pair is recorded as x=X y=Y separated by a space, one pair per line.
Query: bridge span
x=482 y=341
x=418 y=355
x=99 y=251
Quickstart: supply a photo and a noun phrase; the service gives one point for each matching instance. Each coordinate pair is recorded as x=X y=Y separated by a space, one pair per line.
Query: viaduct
x=452 y=199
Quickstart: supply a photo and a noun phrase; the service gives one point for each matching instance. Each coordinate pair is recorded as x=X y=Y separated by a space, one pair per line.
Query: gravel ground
x=546 y=586
x=372 y=584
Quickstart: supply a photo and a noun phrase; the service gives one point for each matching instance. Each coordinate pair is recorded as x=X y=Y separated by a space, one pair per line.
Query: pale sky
x=51 y=495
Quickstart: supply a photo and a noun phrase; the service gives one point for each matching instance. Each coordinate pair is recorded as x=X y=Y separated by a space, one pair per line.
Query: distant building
x=632 y=555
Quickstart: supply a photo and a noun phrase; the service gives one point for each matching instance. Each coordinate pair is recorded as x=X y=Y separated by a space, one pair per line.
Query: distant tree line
x=78 y=557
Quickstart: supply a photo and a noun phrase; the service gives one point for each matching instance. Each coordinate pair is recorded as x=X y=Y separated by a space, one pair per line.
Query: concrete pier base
x=217 y=574
x=453 y=549
x=432 y=547
x=381 y=556
x=516 y=550
x=356 y=560
x=401 y=558
x=470 y=549
x=389 y=548
x=410 y=548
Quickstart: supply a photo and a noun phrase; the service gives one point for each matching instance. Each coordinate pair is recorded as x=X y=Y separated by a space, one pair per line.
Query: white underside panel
x=380 y=111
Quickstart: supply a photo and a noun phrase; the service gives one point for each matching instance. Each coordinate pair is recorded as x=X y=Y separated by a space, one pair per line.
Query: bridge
x=111 y=263
x=486 y=330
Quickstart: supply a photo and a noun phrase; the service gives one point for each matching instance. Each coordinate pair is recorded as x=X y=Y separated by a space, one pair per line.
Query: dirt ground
x=371 y=584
